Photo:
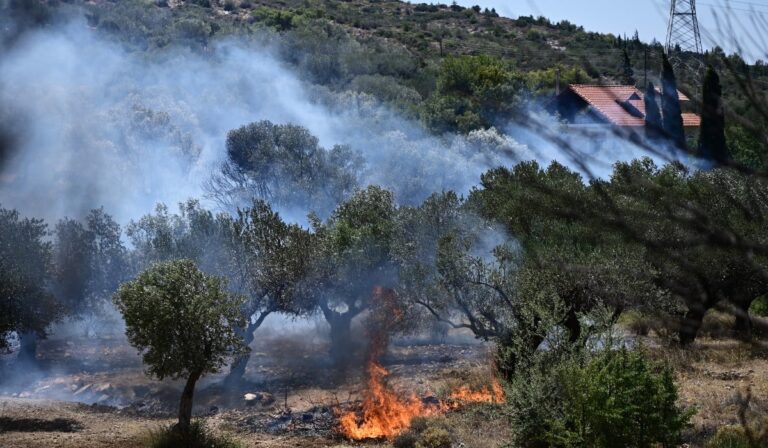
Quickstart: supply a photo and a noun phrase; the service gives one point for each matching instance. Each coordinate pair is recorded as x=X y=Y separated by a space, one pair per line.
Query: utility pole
x=683 y=29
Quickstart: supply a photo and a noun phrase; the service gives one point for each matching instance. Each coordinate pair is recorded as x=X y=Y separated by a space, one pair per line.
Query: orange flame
x=384 y=414
x=494 y=394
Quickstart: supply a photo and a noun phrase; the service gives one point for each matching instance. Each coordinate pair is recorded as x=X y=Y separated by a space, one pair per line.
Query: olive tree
x=26 y=305
x=184 y=322
x=285 y=165
x=270 y=260
x=352 y=256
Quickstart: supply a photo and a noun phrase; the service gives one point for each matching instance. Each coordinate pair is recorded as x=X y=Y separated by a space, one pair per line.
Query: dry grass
x=710 y=375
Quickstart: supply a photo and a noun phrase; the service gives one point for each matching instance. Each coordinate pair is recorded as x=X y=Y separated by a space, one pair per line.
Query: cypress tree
x=712 y=133
x=653 y=126
x=628 y=75
x=671 y=112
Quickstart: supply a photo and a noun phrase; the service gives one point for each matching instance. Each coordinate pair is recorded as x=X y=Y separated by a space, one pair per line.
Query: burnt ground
x=93 y=392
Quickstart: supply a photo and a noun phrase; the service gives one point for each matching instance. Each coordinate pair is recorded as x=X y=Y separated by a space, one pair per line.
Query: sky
x=649 y=18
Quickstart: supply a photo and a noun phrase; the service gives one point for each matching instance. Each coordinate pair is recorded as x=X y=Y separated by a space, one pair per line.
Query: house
x=617 y=105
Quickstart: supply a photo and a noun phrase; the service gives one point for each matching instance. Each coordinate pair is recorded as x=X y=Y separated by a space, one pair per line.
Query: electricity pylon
x=684 y=39
x=683 y=29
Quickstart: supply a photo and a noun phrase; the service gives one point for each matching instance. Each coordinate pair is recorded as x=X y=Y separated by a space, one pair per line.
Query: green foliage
x=760 y=307
x=618 y=399
x=475 y=91
x=352 y=256
x=543 y=81
x=182 y=320
x=746 y=145
x=286 y=165
x=90 y=261
x=25 y=265
x=193 y=233
x=278 y=19
x=636 y=322
x=627 y=73
x=199 y=436
x=608 y=399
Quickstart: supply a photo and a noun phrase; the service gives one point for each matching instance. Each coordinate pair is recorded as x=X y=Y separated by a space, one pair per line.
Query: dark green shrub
x=759 y=307
x=199 y=436
x=609 y=399
x=617 y=399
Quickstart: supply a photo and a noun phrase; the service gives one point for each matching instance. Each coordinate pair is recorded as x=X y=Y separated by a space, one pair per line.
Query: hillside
x=395 y=52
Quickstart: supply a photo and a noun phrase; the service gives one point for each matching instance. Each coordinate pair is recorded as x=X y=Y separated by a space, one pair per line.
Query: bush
x=425 y=433
x=717 y=325
x=729 y=437
x=199 y=436
x=434 y=438
x=618 y=399
x=759 y=307
x=610 y=399
x=636 y=322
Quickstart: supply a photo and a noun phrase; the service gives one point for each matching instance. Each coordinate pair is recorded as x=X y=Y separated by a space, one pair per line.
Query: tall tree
x=285 y=165
x=184 y=323
x=26 y=305
x=269 y=261
x=672 y=114
x=627 y=74
x=653 y=125
x=90 y=261
x=712 y=144
x=353 y=257
x=72 y=258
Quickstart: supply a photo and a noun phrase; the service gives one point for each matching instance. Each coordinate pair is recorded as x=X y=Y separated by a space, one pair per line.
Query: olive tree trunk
x=691 y=323
x=743 y=324
x=341 y=338
x=185 y=406
x=237 y=369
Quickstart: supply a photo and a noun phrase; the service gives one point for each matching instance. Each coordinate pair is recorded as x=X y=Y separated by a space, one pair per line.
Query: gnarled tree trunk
x=743 y=326
x=185 y=406
x=237 y=369
x=691 y=323
x=341 y=338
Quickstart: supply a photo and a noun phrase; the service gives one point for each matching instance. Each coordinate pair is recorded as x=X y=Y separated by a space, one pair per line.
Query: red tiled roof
x=680 y=95
x=616 y=105
x=606 y=100
x=691 y=120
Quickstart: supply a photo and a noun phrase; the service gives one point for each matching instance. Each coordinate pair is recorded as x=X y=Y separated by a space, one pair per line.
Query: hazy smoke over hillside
x=99 y=126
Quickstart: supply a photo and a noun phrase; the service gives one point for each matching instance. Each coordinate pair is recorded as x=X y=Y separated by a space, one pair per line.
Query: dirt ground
x=79 y=403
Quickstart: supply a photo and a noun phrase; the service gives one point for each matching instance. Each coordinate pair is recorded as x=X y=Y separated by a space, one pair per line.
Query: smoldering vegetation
x=104 y=127
x=89 y=124
x=342 y=240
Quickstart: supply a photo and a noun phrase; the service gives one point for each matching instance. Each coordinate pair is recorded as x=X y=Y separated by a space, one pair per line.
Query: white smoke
x=102 y=126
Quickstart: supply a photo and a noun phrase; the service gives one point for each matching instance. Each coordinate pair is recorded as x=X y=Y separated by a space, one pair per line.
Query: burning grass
x=385 y=413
